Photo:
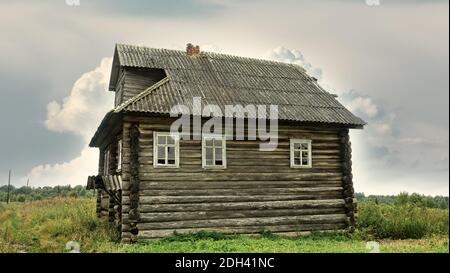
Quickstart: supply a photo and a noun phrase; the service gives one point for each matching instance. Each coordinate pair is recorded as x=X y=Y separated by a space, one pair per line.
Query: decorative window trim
x=292 y=150
x=222 y=138
x=155 y=150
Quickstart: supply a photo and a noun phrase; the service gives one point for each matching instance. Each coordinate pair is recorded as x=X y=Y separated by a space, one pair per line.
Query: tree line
x=23 y=194
x=404 y=198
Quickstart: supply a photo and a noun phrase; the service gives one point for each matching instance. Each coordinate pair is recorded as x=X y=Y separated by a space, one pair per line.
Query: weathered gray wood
x=327 y=191
x=180 y=185
x=347 y=178
x=220 y=199
x=133 y=214
x=282 y=164
x=265 y=205
x=256 y=190
x=133 y=81
x=254 y=221
x=232 y=214
x=240 y=176
x=295 y=230
x=239 y=154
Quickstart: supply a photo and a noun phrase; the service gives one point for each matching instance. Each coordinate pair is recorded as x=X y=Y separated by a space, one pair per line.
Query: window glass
x=209 y=142
x=166 y=150
x=161 y=140
x=170 y=140
x=301 y=153
x=214 y=152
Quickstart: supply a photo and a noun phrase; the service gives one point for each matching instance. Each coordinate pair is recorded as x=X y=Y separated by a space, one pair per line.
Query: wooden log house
x=152 y=184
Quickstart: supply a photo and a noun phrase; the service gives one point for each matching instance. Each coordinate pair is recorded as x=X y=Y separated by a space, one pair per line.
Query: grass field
x=47 y=225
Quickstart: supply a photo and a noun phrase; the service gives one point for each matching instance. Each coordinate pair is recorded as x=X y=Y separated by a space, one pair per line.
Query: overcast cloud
x=387 y=63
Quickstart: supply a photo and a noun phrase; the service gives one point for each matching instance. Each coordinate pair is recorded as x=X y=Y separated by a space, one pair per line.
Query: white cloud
x=364 y=105
x=383 y=128
x=73 y=172
x=386 y=158
x=83 y=109
x=384 y=124
x=80 y=113
x=293 y=56
x=361 y=104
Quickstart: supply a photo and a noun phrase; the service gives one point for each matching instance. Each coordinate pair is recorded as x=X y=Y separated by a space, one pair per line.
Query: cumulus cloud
x=391 y=156
x=88 y=101
x=380 y=120
x=387 y=155
x=361 y=104
x=293 y=56
x=385 y=126
x=364 y=105
x=79 y=113
x=73 y=172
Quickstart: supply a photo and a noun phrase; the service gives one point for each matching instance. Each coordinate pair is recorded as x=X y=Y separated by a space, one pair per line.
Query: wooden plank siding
x=132 y=81
x=257 y=191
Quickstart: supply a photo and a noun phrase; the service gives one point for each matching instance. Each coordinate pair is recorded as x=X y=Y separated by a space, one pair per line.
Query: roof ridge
x=144 y=93
x=215 y=54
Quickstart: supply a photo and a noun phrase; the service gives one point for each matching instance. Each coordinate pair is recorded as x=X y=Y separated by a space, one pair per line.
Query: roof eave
x=125 y=111
x=105 y=126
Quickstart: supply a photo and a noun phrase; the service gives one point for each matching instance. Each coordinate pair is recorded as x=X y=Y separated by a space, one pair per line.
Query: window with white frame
x=301 y=153
x=166 y=150
x=214 y=151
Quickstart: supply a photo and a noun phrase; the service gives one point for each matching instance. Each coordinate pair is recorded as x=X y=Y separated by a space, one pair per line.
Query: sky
x=386 y=60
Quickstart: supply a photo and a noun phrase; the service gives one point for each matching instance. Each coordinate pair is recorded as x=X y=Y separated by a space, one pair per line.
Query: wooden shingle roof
x=221 y=80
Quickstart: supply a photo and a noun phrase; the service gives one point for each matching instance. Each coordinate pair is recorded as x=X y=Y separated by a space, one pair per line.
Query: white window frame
x=155 y=150
x=292 y=150
x=213 y=137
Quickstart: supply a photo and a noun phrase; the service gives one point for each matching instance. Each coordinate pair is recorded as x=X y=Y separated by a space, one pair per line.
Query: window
x=301 y=155
x=119 y=155
x=214 y=151
x=166 y=150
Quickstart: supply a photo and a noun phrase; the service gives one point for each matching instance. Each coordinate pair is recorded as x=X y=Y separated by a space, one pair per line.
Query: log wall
x=107 y=206
x=102 y=208
x=257 y=191
x=347 y=178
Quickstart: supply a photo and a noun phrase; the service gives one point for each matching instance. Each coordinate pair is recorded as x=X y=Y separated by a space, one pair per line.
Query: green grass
x=316 y=243
x=47 y=225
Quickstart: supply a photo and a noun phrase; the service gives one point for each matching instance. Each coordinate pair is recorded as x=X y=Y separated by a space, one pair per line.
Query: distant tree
x=21 y=198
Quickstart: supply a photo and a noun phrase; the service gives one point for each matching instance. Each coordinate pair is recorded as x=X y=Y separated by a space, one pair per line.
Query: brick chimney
x=192 y=50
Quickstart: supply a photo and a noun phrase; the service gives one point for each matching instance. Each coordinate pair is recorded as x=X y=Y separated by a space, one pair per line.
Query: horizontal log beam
x=260 y=221
x=326 y=191
x=221 y=199
x=293 y=230
x=240 y=176
x=231 y=214
x=265 y=205
x=167 y=185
